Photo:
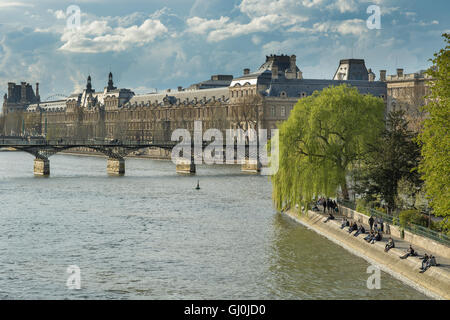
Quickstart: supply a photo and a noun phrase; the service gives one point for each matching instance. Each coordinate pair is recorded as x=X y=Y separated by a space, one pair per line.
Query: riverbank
x=435 y=282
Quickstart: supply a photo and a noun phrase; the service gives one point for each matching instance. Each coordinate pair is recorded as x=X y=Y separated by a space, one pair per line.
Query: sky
x=155 y=45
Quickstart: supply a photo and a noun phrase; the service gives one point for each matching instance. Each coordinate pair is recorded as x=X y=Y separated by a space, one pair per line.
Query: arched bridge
x=115 y=150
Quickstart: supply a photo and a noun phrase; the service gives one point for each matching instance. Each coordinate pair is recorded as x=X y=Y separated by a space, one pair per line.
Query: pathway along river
x=151 y=235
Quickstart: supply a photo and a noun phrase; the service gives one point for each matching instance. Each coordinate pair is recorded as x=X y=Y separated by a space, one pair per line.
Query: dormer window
x=283 y=94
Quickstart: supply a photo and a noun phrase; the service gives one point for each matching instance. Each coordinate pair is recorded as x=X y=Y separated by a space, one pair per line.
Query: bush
x=381 y=209
x=412 y=216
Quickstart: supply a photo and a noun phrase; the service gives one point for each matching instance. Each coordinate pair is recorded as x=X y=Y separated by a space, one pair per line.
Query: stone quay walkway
x=400 y=245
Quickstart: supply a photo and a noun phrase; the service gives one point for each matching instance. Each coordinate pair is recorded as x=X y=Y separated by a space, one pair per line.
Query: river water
x=151 y=235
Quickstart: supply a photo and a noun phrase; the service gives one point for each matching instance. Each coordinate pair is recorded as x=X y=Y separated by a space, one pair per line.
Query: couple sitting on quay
x=353 y=226
x=374 y=236
x=427 y=260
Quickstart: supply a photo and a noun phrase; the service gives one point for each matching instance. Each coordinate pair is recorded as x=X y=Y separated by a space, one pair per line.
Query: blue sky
x=164 y=44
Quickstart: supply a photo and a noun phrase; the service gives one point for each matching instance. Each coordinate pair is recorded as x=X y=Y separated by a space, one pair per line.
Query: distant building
x=19 y=97
x=269 y=94
x=407 y=92
x=217 y=81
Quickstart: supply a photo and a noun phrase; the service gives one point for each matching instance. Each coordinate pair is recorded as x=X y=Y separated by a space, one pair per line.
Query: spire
x=110 y=82
x=89 y=84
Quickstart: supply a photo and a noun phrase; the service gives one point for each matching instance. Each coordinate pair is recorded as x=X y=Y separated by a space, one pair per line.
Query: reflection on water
x=151 y=235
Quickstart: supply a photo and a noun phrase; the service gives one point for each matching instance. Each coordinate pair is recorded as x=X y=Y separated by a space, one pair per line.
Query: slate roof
x=294 y=88
x=187 y=95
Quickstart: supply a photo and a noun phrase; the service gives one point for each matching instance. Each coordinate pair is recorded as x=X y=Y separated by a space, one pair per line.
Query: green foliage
x=326 y=133
x=362 y=206
x=381 y=209
x=414 y=217
x=393 y=157
x=435 y=138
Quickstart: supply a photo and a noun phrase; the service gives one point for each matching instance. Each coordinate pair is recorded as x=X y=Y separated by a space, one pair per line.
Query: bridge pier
x=251 y=166
x=41 y=167
x=115 y=167
x=185 y=166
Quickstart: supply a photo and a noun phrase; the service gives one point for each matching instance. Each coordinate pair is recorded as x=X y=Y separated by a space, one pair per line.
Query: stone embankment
x=435 y=282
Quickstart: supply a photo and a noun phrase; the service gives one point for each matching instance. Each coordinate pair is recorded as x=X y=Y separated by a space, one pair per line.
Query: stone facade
x=407 y=92
x=256 y=99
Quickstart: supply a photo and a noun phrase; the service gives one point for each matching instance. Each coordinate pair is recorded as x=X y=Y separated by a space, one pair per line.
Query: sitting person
x=431 y=261
x=330 y=217
x=315 y=208
x=345 y=223
x=389 y=245
x=424 y=262
x=361 y=229
x=409 y=252
x=377 y=237
x=370 y=236
x=352 y=227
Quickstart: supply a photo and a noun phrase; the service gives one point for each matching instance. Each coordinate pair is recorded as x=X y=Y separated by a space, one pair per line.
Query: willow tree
x=435 y=138
x=325 y=134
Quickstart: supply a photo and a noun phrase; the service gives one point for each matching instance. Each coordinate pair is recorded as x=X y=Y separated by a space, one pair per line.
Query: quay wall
x=435 y=282
x=414 y=239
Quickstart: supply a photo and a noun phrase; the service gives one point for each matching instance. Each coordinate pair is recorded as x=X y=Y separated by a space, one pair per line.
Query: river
x=151 y=235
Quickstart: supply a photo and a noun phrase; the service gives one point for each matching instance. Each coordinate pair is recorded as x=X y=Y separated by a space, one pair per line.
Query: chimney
x=246 y=71
x=371 y=75
x=10 y=90
x=293 y=64
x=274 y=71
x=23 y=91
x=299 y=75
x=37 y=91
x=382 y=75
x=399 y=72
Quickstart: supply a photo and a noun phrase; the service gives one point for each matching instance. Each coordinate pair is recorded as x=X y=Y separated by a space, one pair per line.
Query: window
x=272 y=111
x=283 y=111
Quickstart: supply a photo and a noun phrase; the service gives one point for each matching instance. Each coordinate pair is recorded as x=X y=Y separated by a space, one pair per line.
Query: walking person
x=371 y=221
x=380 y=223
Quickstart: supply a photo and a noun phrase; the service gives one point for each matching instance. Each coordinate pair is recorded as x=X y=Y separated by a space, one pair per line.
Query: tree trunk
x=345 y=191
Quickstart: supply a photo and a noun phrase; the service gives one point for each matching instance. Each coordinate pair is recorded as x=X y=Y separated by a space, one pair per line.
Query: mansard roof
x=295 y=88
x=283 y=62
x=187 y=95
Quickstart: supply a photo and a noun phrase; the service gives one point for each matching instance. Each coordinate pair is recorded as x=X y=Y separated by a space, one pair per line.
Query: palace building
x=263 y=97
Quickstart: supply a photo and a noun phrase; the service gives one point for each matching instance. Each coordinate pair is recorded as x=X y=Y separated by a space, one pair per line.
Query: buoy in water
x=198 y=185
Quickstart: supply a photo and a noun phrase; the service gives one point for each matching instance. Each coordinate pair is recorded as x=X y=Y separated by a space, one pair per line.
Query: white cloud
x=202 y=26
x=99 y=36
x=13 y=4
x=264 y=16
x=311 y=3
x=344 y=6
x=59 y=14
x=345 y=27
